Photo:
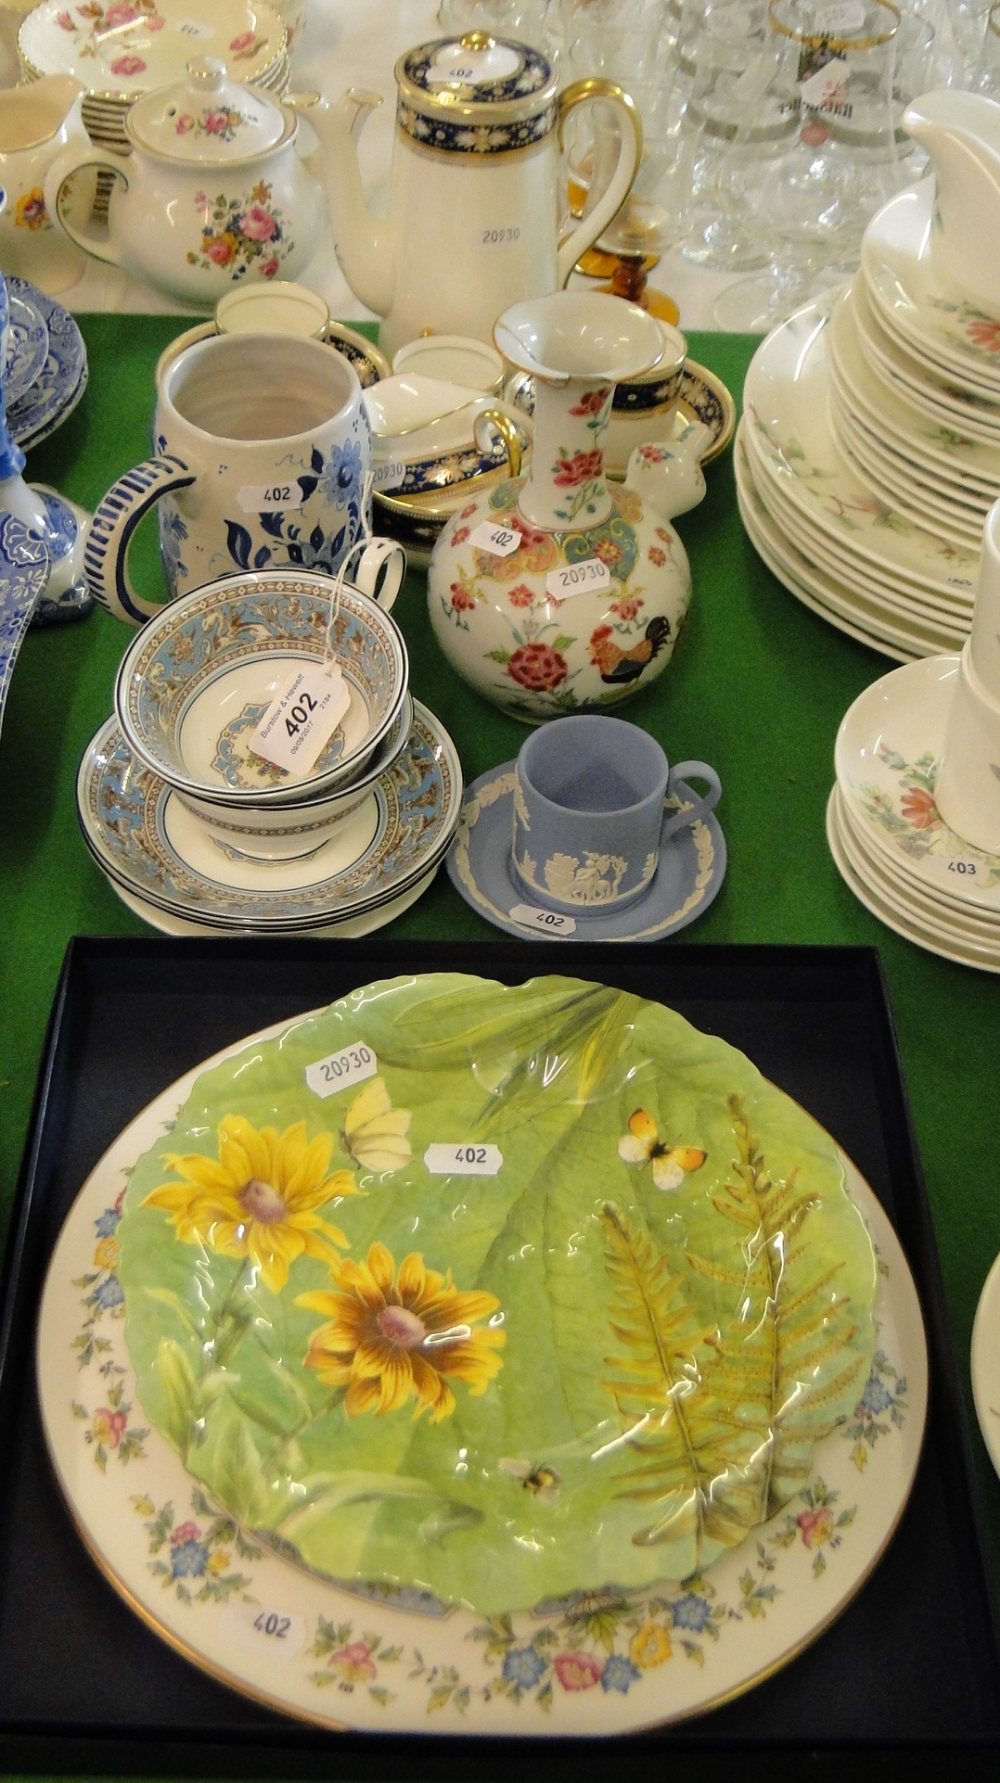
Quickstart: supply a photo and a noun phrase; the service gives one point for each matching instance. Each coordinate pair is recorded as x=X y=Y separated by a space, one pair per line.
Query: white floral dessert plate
x=901 y=919
x=823 y=585
x=689 y=876
x=985 y=1363
x=900 y=487
x=27 y=346
x=762 y=536
x=119 y=53
x=787 y=414
x=939 y=449
x=930 y=402
x=941 y=616
x=350 y=928
x=914 y=300
x=143 y=836
x=61 y=380
x=886 y=755
x=600 y=1662
x=956 y=921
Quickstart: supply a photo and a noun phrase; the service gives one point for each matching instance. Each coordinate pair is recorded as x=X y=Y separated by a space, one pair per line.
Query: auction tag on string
x=577 y=578
x=826 y=89
x=501 y=540
x=273 y=1632
x=302 y=718
x=270 y=498
x=339 y=1070
x=463 y=1160
x=548 y=922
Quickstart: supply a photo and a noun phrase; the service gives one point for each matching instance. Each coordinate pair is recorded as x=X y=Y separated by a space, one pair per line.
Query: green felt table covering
x=758 y=686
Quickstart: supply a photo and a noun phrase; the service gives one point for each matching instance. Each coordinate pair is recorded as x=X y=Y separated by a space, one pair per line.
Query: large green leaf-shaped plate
x=528 y=1299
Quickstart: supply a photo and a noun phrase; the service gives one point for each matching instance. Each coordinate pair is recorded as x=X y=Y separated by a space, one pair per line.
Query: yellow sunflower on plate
x=392 y=1335
x=259 y=1199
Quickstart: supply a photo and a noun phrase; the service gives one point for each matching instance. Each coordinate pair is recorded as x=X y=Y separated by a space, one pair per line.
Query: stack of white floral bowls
x=870 y=450
x=199 y=833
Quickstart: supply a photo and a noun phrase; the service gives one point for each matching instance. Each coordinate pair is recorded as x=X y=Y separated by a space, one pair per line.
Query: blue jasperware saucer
x=691 y=870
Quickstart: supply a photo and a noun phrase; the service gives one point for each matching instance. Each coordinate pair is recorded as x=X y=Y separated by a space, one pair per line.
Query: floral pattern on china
x=103 y=29
x=394 y=1656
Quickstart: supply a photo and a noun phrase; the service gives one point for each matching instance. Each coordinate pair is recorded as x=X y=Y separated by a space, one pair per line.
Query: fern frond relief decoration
x=683 y=1434
x=723 y=1412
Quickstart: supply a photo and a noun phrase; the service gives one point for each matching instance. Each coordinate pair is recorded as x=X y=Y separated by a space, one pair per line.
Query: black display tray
x=913 y=1663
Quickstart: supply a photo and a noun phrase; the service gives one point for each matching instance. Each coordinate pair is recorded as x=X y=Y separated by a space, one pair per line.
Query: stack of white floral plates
x=886 y=835
x=44 y=373
x=870 y=452
x=126 y=48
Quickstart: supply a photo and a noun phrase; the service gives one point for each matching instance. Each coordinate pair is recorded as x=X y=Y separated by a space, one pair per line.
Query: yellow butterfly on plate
x=375 y=1133
x=642 y=1145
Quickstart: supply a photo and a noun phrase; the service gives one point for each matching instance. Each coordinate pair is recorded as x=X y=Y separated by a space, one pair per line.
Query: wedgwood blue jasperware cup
x=589 y=811
x=262 y=458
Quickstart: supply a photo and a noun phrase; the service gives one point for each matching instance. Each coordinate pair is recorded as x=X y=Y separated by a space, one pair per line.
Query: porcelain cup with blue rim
x=590 y=812
x=262 y=458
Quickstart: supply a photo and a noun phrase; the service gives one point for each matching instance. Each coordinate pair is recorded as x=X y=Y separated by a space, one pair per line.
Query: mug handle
x=379 y=571
x=113 y=522
x=699 y=807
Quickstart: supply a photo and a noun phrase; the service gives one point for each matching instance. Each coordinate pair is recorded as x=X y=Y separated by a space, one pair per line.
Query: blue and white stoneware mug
x=262 y=457
x=590 y=817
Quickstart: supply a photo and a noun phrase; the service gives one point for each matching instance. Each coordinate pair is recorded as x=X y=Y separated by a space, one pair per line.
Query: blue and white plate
x=27 y=347
x=148 y=842
x=25 y=568
x=691 y=870
x=60 y=380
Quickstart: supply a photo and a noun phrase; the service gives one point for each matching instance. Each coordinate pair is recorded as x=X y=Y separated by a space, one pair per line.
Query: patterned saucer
x=914 y=301
x=347 y=928
x=61 y=380
x=144 y=838
x=27 y=347
x=691 y=870
x=886 y=758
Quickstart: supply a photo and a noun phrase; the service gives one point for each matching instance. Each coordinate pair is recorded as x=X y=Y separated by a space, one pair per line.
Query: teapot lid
x=207 y=118
x=475 y=78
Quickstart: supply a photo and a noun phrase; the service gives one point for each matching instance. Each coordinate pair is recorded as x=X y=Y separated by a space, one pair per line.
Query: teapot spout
x=363 y=244
x=667 y=474
x=961 y=133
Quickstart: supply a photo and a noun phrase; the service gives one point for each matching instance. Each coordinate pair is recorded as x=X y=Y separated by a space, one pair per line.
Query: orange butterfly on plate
x=642 y=1145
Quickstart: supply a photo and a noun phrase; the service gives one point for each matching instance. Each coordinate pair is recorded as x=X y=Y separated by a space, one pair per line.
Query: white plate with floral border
x=900 y=918
x=985 y=1362
x=886 y=756
x=913 y=299
x=823 y=590
x=600 y=1663
x=787 y=415
x=121 y=52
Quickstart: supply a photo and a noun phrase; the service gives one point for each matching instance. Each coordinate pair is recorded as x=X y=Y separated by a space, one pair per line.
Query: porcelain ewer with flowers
x=560 y=591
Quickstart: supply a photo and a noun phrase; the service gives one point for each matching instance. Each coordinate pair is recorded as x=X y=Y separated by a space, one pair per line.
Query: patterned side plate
x=144 y=839
x=61 y=380
x=595 y=1663
x=27 y=347
x=25 y=568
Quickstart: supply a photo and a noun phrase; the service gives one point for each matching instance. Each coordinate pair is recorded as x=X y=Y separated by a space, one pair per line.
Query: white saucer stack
x=869 y=455
x=886 y=835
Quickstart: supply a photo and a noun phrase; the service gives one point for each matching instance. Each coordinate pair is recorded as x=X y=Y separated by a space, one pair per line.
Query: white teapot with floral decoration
x=558 y=591
x=214 y=191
